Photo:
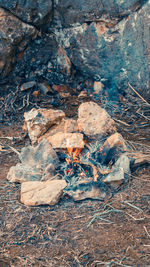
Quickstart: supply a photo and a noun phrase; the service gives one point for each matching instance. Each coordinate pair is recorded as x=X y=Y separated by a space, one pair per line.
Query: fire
x=70 y=150
x=74 y=153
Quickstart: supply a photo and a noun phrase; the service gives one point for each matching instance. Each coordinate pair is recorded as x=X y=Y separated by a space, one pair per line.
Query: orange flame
x=74 y=153
x=70 y=150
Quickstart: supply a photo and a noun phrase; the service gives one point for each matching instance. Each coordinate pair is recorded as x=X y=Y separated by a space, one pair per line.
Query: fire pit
x=84 y=158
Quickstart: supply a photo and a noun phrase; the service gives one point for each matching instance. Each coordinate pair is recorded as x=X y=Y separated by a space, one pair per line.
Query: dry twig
x=138 y=94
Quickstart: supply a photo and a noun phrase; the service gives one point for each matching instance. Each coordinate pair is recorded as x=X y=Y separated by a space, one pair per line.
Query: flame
x=76 y=153
x=70 y=150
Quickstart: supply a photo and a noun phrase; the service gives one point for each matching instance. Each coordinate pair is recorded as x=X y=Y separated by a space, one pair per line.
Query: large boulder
x=14 y=37
x=115 y=52
x=80 y=11
x=36 y=12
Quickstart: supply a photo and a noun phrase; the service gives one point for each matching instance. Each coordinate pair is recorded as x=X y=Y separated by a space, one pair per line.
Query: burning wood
x=87 y=161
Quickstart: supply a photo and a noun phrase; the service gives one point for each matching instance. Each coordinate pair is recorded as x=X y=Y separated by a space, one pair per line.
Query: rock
x=121 y=169
x=112 y=148
x=112 y=54
x=49 y=173
x=14 y=37
x=45 y=58
x=87 y=190
x=36 y=163
x=63 y=60
x=115 y=139
x=27 y=85
x=36 y=93
x=124 y=163
x=64 y=94
x=115 y=176
x=42 y=193
x=60 y=88
x=139 y=159
x=83 y=94
x=67 y=125
x=44 y=87
x=66 y=140
x=98 y=87
x=22 y=173
x=94 y=121
x=34 y=12
x=81 y=11
x=38 y=121
x=40 y=156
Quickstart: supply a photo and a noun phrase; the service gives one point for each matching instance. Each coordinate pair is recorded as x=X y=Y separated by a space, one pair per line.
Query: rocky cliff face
x=33 y=12
x=107 y=41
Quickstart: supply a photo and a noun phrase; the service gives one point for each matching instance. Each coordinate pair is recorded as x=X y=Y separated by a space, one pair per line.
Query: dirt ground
x=115 y=232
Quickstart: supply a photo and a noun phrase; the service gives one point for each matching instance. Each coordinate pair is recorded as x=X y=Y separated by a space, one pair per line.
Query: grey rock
x=115 y=176
x=14 y=37
x=41 y=155
x=119 y=54
x=124 y=163
x=42 y=193
x=87 y=190
x=52 y=62
x=36 y=12
x=22 y=173
x=37 y=163
x=80 y=11
x=121 y=170
x=27 y=85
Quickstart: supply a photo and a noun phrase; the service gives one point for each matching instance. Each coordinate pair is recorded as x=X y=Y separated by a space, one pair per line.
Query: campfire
x=82 y=164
